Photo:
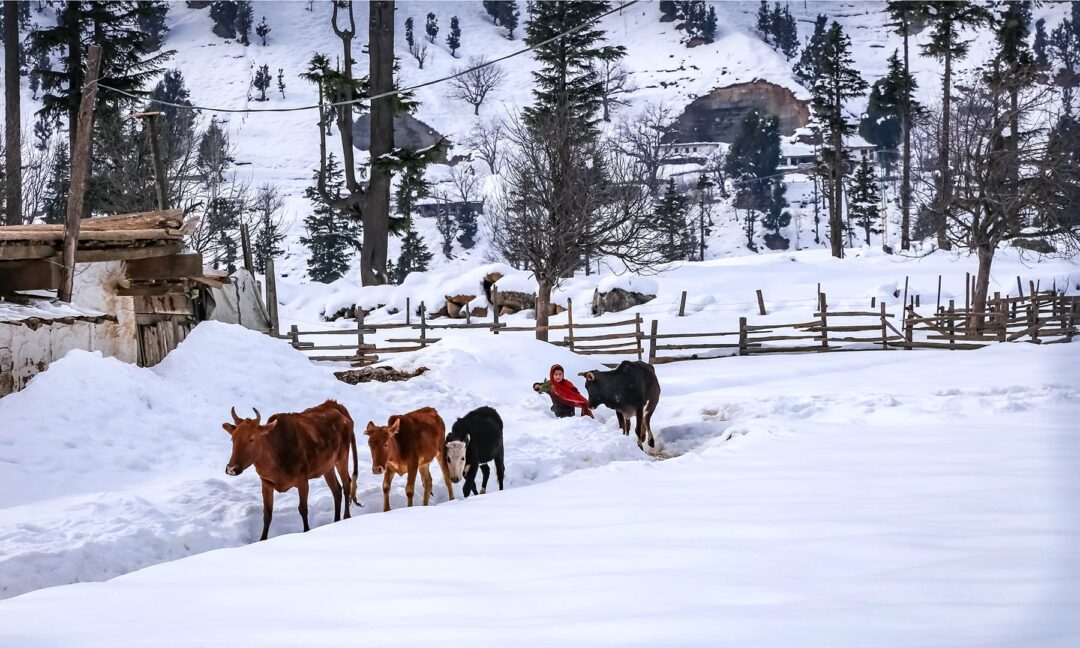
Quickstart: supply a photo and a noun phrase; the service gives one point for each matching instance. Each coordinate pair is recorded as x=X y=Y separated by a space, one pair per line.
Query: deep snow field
x=901 y=498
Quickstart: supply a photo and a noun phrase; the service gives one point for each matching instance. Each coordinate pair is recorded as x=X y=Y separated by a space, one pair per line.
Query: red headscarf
x=565 y=391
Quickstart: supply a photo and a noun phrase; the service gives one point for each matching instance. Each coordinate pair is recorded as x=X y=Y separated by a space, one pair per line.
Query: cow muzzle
x=455 y=479
x=233 y=471
x=378 y=470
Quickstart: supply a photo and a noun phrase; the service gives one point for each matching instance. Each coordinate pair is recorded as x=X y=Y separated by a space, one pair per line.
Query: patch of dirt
x=379 y=374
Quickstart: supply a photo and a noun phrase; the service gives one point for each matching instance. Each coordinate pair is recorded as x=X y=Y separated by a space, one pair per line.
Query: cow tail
x=355 y=470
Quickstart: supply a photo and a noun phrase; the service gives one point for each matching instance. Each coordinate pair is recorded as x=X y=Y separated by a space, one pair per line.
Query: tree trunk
x=1012 y=214
x=836 y=217
x=74 y=69
x=944 y=197
x=543 y=306
x=377 y=213
x=977 y=323
x=12 y=117
x=905 y=180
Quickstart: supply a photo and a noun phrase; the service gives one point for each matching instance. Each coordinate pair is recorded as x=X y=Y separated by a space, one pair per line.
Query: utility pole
x=155 y=151
x=80 y=169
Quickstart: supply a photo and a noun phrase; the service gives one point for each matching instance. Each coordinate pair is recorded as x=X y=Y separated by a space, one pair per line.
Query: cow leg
x=302 y=488
x=500 y=469
x=639 y=428
x=444 y=468
x=410 y=482
x=387 y=480
x=470 y=480
x=648 y=426
x=484 y=468
x=623 y=423
x=425 y=477
x=268 y=507
x=346 y=483
x=335 y=489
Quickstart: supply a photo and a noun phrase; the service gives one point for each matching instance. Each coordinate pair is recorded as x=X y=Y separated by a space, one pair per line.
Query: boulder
x=617 y=300
x=456 y=304
x=512 y=301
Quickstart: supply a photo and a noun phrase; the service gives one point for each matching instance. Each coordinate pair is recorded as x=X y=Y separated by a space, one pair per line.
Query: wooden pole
x=917 y=296
x=909 y=331
x=937 y=305
x=682 y=304
x=12 y=118
x=359 y=332
x=760 y=303
x=967 y=292
x=423 y=325
x=637 y=331
x=80 y=169
x=408 y=311
x=468 y=314
x=873 y=302
x=245 y=242
x=1019 y=287
x=652 y=340
x=570 y=323
x=822 y=306
x=903 y=304
x=294 y=336
x=743 y=348
x=884 y=330
x=950 y=327
x=495 y=309
x=271 y=297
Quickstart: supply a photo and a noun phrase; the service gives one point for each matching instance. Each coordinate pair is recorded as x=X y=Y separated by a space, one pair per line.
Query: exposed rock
x=617 y=300
x=409 y=132
x=1042 y=246
x=716 y=117
x=512 y=301
x=480 y=311
x=776 y=241
x=378 y=374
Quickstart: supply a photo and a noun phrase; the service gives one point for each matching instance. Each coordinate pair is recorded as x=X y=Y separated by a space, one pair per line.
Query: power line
x=383 y=94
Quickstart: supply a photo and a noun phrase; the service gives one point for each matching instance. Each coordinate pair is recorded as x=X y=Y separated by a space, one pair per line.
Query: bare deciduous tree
x=615 y=82
x=644 y=139
x=473 y=86
x=419 y=52
x=486 y=138
x=556 y=202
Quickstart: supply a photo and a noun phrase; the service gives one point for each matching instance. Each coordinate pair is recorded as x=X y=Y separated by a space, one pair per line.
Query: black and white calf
x=475 y=439
x=632 y=390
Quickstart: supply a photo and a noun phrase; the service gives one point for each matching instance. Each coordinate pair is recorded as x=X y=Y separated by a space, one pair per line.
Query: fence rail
x=1039 y=317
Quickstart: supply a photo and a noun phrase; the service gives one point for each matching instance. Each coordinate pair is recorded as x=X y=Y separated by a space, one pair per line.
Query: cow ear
x=265 y=429
x=590 y=376
x=394 y=426
x=229 y=427
x=467 y=438
x=369 y=428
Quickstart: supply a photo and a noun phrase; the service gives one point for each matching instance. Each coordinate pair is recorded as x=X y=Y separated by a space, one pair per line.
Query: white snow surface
x=884 y=499
x=629 y=283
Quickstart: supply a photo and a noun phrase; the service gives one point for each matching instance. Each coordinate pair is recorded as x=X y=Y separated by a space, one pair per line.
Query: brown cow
x=293 y=448
x=405 y=445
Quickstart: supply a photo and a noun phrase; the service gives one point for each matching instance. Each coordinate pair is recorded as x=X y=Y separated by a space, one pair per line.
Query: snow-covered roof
x=47 y=311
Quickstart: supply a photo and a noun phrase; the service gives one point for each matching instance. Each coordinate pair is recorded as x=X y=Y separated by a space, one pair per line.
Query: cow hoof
x=483 y=490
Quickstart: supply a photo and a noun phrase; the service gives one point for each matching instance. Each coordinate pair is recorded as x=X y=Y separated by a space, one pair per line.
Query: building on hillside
x=799 y=153
x=136 y=294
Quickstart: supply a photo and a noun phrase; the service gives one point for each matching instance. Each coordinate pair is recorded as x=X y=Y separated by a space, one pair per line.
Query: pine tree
x=41 y=62
x=245 y=17
x=412 y=187
x=281 y=81
x=672 y=210
x=262 y=81
x=1064 y=50
x=1039 y=47
x=492 y=9
x=447 y=231
x=176 y=124
x=331 y=236
x=566 y=84
x=764 y=21
x=151 y=20
x=223 y=13
x=43 y=132
x=269 y=235
x=410 y=39
x=751 y=163
x=890 y=96
x=508 y=16
x=432 y=27
x=453 y=41
x=902 y=14
x=776 y=25
x=946 y=19
x=56 y=191
x=864 y=209
x=838 y=80
x=414 y=257
x=667 y=10
x=262 y=30
x=787 y=33
x=776 y=215
x=806 y=70
x=708 y=29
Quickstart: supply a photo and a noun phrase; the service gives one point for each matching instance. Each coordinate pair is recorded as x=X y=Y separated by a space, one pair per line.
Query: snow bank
x=629 y=283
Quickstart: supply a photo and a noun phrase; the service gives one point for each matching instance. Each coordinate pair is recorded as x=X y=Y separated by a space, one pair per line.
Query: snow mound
x=629 y=283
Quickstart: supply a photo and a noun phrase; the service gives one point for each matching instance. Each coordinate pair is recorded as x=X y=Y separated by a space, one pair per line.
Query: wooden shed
x=132 y=299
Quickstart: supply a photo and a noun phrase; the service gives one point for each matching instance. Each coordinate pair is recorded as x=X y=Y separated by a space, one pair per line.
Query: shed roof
x=34 y=312
x=124 y=236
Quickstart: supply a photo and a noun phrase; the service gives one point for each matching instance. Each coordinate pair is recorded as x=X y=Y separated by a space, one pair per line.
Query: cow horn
x=235 y=418
x=258 y=417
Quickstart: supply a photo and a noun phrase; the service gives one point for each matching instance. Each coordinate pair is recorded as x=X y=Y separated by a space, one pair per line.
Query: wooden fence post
x=245 y=245
x=294 y=336
x=408 y=311
x=359 y=332
x=570 y=323
x=1019 y=287
x=967 y=293
x=822 y=309
x=884 y=330
x=937 y=306
x=873 y=302
x=950 y=326
x=468 y=314
x=760 y=303
x=495 y=309
x=271 y=297
x=423 y=325
x=1035 y=317
x=682 y=304
x=917 y=296
x=652 y=342
x=637 y=334
x=743 y=347
x=909 y=332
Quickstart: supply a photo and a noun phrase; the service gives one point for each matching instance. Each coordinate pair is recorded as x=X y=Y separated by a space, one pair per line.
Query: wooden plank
x=846 y=328
x=761 y=303
x=352 y=331
x=593 y=347
x=23 y=252
x=777 y=338
x=854 y=314
x=790 y=349
x=606 y=336
x=151 y=289
x=271 y=296
x=177 y=266
x=425 y=340
x=680 y=347
x=670 y=336
x=936 y=345
x=30 y=274
x=682 y=304
x=126 y=253
x=338 y=347
x=628 y=350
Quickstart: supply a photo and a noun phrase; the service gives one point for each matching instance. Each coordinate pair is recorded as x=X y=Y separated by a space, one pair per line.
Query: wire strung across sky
x=383 y=94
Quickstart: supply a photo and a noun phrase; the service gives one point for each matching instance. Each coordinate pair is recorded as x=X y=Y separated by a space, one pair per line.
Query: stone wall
x=715 y=117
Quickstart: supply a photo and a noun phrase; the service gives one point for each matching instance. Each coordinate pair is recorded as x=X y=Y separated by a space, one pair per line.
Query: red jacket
x=566 y=392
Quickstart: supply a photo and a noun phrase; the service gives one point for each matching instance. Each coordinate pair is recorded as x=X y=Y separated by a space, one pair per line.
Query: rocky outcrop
x=716 y=117
x=617 y=300
x=409 y=132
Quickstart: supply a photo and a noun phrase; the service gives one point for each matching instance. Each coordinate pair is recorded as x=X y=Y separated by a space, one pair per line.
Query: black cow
x=476 y=439
x=631 y=389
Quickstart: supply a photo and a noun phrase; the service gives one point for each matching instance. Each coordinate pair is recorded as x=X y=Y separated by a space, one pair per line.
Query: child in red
x=564 y=396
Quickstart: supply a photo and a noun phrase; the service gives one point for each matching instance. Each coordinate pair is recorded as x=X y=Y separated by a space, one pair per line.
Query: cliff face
x=715 y=117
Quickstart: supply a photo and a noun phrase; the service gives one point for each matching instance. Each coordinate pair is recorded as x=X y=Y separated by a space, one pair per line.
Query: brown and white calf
x=406 y=445
x=293 y=448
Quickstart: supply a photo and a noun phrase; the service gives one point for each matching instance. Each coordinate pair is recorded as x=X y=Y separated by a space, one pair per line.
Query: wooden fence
x=1039 y=317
